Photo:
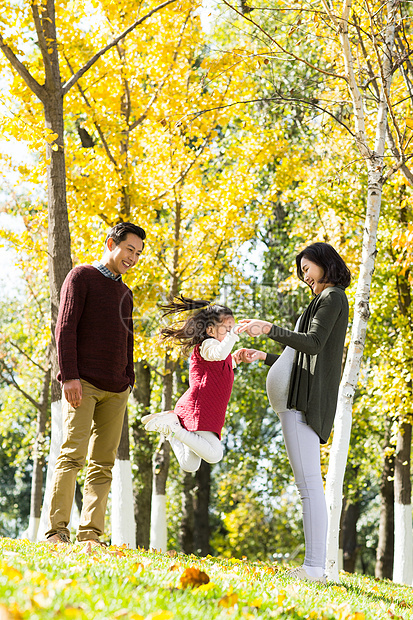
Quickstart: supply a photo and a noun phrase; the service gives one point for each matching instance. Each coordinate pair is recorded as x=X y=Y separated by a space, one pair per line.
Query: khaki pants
x=93 y=429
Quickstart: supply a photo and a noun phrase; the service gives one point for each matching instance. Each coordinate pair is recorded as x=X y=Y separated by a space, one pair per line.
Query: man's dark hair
x=119 y=232
x=325 y=256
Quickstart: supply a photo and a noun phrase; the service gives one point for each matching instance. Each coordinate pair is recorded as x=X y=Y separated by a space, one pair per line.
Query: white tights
x=303 y=449
x=192 y=446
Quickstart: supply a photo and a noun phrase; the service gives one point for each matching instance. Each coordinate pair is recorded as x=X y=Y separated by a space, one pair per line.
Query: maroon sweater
x=94 y=330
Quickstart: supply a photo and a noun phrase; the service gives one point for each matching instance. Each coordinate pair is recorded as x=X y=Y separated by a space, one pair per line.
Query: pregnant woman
x=302 y=387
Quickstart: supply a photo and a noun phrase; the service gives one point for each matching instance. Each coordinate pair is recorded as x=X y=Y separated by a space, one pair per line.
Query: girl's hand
x=248 y=355
x=254 y=327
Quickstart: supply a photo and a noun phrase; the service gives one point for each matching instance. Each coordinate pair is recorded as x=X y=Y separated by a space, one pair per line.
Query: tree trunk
x=123 y=517
x=186 y=531
x=374 y=163
x=142 y=456
x=161 y=461
x=39 y=461
x=202 y=497
x=348 y=534
x=56 y=441
x=385 y=547
x=403 y=540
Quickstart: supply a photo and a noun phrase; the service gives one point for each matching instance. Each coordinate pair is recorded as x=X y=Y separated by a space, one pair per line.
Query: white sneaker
x=167 y=424
x=301 y=573
x=147 y=418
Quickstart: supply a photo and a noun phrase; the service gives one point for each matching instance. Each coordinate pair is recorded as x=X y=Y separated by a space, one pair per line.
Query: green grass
x=45 y=581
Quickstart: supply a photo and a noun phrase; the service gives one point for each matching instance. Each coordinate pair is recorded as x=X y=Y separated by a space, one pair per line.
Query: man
x=94 y=338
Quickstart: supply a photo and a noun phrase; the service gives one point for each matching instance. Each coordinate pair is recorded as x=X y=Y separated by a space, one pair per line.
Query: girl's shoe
x=166 y=423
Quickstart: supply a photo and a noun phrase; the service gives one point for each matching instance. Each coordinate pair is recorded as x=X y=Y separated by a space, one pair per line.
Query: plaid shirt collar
x=106 y=272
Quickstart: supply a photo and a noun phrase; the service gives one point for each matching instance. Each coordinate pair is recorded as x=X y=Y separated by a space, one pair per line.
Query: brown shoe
x=59 y=537
x=94 y=542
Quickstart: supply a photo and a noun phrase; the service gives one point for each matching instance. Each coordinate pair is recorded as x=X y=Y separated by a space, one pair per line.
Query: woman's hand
x=254 y=327
x=248 y=355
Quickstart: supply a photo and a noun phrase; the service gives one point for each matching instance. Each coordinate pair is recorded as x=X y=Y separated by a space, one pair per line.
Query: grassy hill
x=85 y=583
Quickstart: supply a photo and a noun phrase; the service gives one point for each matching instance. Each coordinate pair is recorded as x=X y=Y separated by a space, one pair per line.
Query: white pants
x=192 y=446
x=303 y=449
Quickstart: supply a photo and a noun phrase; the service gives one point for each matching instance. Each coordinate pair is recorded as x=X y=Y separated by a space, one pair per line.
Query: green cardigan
x=316 y=371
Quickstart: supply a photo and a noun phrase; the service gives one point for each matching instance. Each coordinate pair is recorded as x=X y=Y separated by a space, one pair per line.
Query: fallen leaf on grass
x=172 y=553
x=8 y=613
x=175 y=566
x=73 y=612
x=160 y=615
x=205 y=587
x=359 y=615
x=229 y=600
x=10 y=572
x=193 y=577
x=281 y=598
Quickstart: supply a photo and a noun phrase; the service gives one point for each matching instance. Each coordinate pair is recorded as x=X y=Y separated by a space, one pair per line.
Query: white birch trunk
x=31 y=532
x=403 y=544
x=374 y=162
x=123 y=514
x=158 y=523
x=56 y=441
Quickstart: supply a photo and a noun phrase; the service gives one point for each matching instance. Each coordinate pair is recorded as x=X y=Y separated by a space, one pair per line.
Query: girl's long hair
x=194 y=330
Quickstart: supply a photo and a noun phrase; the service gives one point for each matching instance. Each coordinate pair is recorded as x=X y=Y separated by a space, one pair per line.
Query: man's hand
x=254 y=327
x=73 y=392
x=248 y=355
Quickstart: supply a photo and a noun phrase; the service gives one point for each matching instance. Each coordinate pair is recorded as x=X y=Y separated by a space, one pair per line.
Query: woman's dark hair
x=119 y=232
x=194 y=329
x=330 y=261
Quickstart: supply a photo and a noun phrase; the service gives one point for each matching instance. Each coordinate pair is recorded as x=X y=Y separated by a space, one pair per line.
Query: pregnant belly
x=278 y=380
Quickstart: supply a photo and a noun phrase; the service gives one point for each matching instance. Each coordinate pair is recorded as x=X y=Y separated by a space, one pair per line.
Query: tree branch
x=42 y=42
x=16 y=346
x=98 y=129
x=12 y=382
x=283 y=49
x=155 y=95
x=33 y=84
x=401 y=160
x=66 y=87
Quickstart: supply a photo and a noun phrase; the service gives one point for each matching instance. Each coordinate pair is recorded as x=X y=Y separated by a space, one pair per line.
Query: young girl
x=194 y=427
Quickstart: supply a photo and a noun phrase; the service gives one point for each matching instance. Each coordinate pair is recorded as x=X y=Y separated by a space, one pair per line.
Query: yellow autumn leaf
x=73 y=612
x=11 y=573
x=409 y=123
x=8 y=613
x=51 y=137
x=205 y=587
x=193 y=577
x=281 y=598
x=359 y=615
x=229 y=600
x=160 y=615
x=257 y=602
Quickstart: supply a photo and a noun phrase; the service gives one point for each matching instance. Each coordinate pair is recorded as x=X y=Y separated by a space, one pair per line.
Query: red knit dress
x=204 y=404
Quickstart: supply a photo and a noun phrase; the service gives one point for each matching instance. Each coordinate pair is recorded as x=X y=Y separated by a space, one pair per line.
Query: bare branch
x=98 y=128
x=281 y=47
x=24 y=73
x=66 y=87
x=12 y=381
x=401 y=161
x=360 y=135
x=280 y=99
x=16 y=346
